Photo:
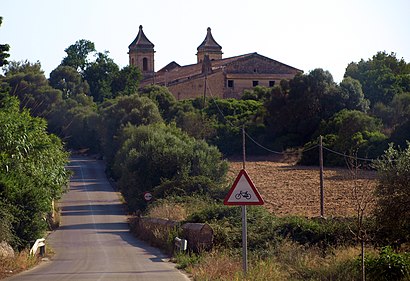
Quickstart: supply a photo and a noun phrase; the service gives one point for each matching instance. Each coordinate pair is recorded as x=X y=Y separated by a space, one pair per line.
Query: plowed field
x=288 y=189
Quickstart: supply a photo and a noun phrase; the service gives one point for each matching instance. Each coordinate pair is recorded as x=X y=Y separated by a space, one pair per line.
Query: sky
x=305 y=34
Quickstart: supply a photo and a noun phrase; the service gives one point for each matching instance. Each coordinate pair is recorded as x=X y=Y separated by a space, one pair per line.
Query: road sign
x=243 y=192
x=147 y=196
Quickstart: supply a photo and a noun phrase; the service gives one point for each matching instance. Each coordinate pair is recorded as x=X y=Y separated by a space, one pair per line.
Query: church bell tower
x=141 y=54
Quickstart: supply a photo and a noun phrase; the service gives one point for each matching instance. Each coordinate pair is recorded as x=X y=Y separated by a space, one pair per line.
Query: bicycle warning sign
x=243 y=192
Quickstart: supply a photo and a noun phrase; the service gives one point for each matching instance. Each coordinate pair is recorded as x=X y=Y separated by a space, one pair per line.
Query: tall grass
x=22 y=261
x=288 y=261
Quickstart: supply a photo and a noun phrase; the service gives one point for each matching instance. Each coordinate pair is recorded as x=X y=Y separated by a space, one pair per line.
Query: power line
x=348 y=156
x=282 y=152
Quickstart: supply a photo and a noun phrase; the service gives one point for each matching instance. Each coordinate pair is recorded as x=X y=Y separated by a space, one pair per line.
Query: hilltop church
x=211 y=75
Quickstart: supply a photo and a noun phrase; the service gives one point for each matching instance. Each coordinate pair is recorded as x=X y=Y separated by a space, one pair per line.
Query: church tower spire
x=141 y=54
x=209 y=47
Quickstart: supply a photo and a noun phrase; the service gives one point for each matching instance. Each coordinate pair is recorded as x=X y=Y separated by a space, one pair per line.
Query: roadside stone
x=6 y=250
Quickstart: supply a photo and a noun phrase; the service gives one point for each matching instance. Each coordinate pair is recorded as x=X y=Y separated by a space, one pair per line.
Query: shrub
x=393 y=193
x=157 y=155
x=388 y=266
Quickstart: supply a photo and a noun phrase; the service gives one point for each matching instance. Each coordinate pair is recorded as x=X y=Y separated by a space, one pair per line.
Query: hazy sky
x=305 y=34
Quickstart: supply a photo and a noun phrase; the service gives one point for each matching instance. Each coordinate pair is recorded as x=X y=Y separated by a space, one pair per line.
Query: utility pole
x=322 y=196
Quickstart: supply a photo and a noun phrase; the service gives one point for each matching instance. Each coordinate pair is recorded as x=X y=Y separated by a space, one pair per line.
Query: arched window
x=144 y=64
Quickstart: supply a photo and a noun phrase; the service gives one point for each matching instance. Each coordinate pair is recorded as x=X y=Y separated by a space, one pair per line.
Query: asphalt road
x=93 y=241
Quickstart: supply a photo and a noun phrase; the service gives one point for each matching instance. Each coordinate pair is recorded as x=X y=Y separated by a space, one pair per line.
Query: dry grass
x=175 y=212
x=288 y=189
x=290 y=261
x=223 y=266
x=22 y=261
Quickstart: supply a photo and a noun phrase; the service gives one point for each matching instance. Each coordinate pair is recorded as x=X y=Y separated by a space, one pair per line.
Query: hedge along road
x=93 y=241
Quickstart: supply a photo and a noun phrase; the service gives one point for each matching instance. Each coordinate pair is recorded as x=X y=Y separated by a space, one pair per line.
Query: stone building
x=212 y=75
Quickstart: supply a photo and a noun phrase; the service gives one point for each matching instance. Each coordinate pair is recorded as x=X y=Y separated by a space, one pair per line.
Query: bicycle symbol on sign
x=243 y=194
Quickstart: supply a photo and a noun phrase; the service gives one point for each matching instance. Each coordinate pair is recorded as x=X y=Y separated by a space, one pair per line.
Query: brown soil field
x=289 y=189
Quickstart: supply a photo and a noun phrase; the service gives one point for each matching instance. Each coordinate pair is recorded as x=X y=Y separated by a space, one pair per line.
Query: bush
x=388 y=266
x=393 y=193
x=155 y=155
x=320 y=232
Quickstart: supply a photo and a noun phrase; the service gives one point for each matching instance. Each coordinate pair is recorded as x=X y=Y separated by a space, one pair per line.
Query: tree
x=353 y=95
x=100 y=76
x=152 y=154
x=77 y=55
x=115 y=114
x=68 y=81
x=32 y=172
x=126 y=81
x=382 y=77
x=350 y=132
x=76 y=121
x=228 y=116
x=162 y=97
x=393 y=194
x=4 y=48
x=296 y=108
x=27 y=81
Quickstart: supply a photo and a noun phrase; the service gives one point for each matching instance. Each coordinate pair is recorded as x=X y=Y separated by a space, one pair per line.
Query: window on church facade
x=230 y=83
x=144 y=64
x=271 y=83
x=255 y=83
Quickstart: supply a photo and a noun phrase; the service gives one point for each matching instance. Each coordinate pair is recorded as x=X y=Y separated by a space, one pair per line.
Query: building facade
x=212 y=75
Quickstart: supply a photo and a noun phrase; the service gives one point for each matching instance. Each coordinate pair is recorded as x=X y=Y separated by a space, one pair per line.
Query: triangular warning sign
x=243 y=192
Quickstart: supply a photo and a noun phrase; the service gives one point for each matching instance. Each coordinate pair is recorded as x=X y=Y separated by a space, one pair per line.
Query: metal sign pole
x=244 y=222
x=244 y=241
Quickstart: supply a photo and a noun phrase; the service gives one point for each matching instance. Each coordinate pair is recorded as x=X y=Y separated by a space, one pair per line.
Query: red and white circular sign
x=147 y=196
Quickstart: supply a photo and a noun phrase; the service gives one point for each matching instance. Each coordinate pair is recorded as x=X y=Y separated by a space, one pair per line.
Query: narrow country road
x=93 y=241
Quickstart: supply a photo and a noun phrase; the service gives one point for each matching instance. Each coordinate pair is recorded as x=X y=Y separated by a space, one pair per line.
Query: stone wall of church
x=194 y=88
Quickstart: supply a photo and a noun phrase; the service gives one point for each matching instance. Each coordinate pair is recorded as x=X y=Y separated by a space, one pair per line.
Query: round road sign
x=147 y=196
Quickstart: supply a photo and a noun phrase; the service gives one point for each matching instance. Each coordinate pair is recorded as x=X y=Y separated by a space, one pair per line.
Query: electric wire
x=283 y=152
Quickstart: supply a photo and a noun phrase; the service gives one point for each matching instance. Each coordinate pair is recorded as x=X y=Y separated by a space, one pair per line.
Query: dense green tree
x=117 y=113
x=126 y=81
x=162 y=97
x=350 y=132
x=100 y=75
x=68 y=81
x=229 y=116
x=77 y=55
x=32 y=171
x=353 y=95
x=76 y=121
x=382 y=77
x=4 y=48
x=393 y=194
x=258 y=93
x=27 y=81
x=295 y=109
x=150 y=155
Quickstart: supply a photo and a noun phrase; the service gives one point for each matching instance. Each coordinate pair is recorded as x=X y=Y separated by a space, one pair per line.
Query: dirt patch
x=288 y=189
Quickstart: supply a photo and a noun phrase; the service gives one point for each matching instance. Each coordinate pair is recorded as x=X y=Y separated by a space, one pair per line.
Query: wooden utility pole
x=322 y=195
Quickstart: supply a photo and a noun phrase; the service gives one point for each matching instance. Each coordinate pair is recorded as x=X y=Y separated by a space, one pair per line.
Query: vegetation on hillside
x=176 y=149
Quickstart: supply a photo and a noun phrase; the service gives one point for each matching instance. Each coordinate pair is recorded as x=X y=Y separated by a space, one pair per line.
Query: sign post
x=242 y=193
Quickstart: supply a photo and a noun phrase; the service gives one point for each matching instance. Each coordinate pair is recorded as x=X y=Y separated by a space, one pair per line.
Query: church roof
x=141 y=41
x=178 y=73
x=209 y=43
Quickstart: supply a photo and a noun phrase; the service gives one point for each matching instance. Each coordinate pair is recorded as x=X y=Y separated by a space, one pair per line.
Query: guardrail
x=39 y=244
